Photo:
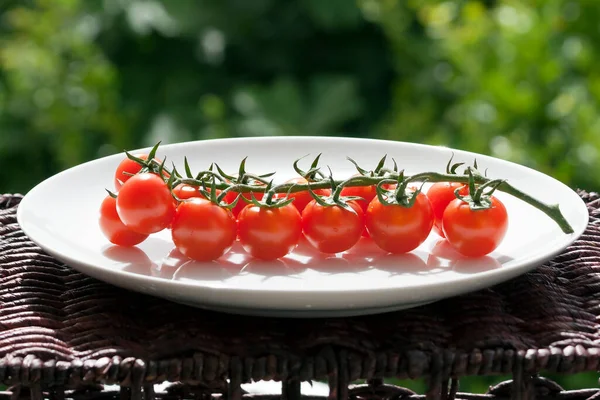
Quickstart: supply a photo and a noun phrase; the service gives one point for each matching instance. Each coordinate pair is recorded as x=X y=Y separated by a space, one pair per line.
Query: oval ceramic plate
x=60 y=215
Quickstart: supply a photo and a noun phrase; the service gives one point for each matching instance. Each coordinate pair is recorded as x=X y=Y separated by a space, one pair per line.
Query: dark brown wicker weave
x=63 y=333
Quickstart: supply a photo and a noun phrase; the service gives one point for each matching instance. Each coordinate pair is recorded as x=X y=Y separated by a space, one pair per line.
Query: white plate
x=60 y=215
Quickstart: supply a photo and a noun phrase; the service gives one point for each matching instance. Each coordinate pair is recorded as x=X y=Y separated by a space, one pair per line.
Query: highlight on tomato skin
x=475 y=233
x=269 y=233
x=145 y=204
x=113 y=228
x=332 y=229
x=203 y=230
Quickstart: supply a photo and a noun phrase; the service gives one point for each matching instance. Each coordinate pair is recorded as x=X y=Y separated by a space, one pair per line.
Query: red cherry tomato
x=113 y=228
x=127 y=167
x=202 y=230
x=269 y=233
x=184 y=192
x=366 y=192
x=440 y=194
x=398 y=229
x=145 y=204
x=301 y=199
x=332 y=229
x=475 y=233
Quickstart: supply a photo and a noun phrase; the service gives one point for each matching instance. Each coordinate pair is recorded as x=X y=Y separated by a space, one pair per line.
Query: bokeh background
x=519 y=80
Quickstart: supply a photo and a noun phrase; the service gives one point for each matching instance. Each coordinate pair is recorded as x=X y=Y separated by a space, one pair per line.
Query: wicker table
x=63 y=334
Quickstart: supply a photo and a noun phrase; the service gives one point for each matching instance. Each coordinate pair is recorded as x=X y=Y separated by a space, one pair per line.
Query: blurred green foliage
x=516 y=79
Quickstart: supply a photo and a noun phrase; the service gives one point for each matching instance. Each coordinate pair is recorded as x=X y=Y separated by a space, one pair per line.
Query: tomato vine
x=239 y=184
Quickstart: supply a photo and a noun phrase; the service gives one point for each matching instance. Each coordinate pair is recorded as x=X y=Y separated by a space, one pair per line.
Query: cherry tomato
x=269 y=233
x=332 y=229
x=113 y=228
x=398 y=229
x=440 y=194
x=475 y=233
x=301 y=199
x=145 y=204
x=231 y=196
x=203 y=230
x=127 y=167
x=366 y=192
x=184 y=192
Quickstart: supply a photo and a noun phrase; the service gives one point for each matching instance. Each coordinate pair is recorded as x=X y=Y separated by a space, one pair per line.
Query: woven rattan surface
x=59 y=328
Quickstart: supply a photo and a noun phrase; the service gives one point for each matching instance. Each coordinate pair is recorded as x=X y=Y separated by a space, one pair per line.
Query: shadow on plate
x=332 y=264
x=443 y=252
x=475 y=265
x=305 y=256
x=364 y=256
x=408 y=264
x=176 y=266
x=136 y=261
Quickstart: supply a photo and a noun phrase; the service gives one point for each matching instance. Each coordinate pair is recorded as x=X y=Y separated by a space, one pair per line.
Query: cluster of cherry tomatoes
x=398 y=218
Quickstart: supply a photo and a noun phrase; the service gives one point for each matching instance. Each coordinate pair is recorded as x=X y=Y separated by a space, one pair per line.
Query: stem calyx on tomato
x=478 y=198
x=400 y=195
x=218 y=199
x=149 y=164
x=336 y=198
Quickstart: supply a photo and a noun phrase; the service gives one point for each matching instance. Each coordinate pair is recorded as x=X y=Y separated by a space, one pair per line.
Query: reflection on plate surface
x=175 y=266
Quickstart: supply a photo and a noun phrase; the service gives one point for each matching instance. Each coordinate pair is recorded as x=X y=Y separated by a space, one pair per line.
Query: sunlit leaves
x=510 y=79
